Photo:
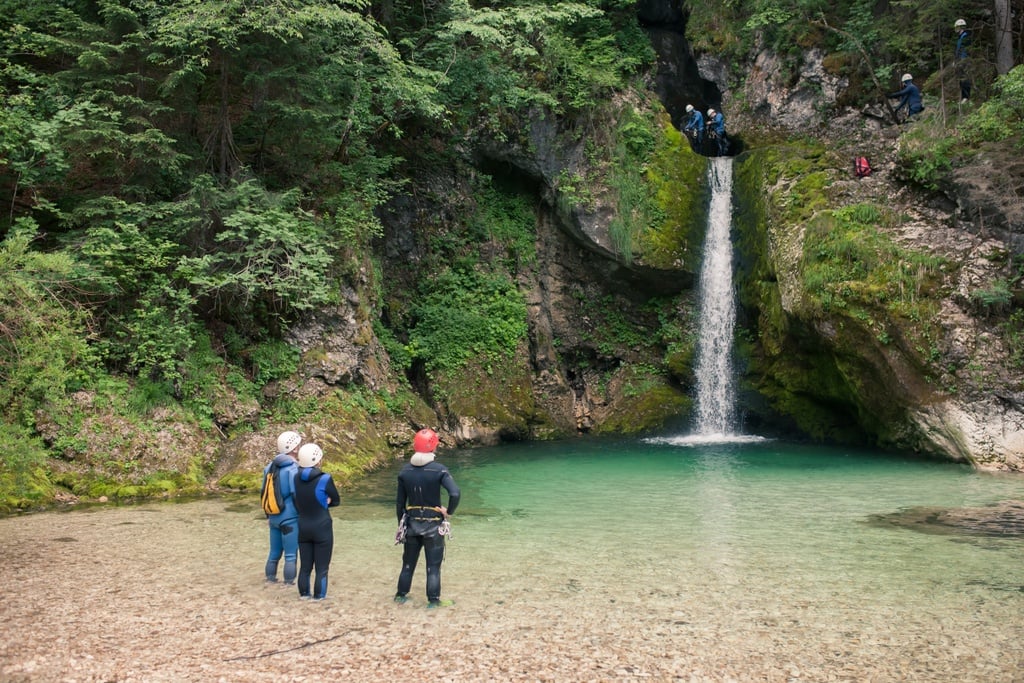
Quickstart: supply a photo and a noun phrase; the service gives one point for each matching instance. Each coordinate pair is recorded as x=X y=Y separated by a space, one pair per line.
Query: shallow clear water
x=615 y=517
x=597 y=560
x=628 y=516
x=797 y=546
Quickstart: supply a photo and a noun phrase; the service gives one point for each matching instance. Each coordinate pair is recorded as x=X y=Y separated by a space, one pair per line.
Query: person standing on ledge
x=315 y=494
x=695 y=127
x=716 y=130
x=419 y=510
x=961 y=59
x=284 y=526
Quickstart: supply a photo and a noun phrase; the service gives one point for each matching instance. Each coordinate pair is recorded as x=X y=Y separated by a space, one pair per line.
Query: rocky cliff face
x=592 y=331
x=872 y=375
x=960 y=398
x=952 y=390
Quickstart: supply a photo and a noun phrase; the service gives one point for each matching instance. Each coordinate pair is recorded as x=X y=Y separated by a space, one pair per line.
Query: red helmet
x=425 y=441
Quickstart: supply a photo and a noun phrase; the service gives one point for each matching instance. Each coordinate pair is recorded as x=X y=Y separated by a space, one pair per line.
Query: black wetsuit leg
x=410 y=556
x=323 y=549
x=305 y=566
x=434 y=550
x=316 y=547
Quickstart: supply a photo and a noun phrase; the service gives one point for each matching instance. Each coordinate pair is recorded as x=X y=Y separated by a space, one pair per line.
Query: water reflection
x=716 y=492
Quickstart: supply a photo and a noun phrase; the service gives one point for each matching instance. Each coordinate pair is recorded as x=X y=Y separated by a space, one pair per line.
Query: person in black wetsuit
x=315 y=493
x=418 y=505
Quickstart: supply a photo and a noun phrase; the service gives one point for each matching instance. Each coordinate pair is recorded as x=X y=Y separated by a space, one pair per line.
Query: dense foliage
x=181 y=179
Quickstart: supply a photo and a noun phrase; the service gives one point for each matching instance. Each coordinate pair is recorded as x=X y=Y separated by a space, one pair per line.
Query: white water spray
x=716 y=394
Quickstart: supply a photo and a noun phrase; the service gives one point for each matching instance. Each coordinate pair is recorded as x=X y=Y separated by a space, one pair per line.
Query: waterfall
x=716 y=394
x=715 y=421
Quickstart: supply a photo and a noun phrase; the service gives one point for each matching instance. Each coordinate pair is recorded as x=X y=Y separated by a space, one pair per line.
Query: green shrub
x=273 y=360
x=463 y=313
x=506 y=215
x=995 y=298
x=1013 y=333
x=23 y=478
x=926 y=154
x=1002 y=116
x=44 y=349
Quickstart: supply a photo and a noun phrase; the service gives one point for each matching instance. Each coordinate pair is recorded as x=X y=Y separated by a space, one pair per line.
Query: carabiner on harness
x=400 y=534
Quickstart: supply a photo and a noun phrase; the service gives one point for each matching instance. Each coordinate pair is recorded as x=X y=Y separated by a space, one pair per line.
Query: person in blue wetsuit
x=910 y=97
x=423 y=518
x=284 y=526
x=716 y=131
x=695 y=126
x=315 y=494
x=961 y=58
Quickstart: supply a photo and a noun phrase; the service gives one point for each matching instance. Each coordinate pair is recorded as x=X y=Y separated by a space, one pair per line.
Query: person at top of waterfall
x=716 y=130
x=910 y=97
x=695 y=126
x=315 y=494
x=422 y=519
x=961 y=59
x=284 y=526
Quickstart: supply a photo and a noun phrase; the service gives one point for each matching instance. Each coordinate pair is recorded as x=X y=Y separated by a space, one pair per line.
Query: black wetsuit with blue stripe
x=315 y=493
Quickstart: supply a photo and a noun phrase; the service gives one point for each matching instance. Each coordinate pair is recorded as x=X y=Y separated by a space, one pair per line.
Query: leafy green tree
x=44 y=329
x=270 y=261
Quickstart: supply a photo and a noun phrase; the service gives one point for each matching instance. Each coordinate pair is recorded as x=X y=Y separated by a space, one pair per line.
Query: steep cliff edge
x=922 y=356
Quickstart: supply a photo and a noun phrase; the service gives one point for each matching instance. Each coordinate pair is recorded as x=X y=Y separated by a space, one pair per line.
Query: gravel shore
x=175 y=593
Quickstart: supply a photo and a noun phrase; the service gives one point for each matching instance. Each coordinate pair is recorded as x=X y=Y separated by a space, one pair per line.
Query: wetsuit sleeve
x=400 y=499
x=904 y=96
x=454 y=494
x=332 y=492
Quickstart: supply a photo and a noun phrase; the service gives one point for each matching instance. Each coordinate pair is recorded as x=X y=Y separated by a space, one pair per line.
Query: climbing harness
x=444 y=528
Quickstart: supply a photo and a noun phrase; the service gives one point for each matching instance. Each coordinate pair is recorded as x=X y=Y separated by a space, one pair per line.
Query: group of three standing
x=304 y=528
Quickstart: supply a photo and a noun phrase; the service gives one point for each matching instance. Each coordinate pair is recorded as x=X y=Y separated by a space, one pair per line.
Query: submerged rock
x=1003 y=520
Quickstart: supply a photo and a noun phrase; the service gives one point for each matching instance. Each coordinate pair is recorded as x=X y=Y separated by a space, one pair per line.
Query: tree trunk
x=1004 y=37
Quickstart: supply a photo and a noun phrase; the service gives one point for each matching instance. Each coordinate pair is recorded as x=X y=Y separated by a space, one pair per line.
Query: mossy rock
x=676 y=176
x=495 y=393
x=25 y=491
x=241 y=481
x=640 y=402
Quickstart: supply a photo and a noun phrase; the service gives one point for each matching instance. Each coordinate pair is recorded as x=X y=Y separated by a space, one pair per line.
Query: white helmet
x=960 y=23
x=310 y=455
x=689 y=108
x=288 y=442
x=906 y=77
x=711 y=112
